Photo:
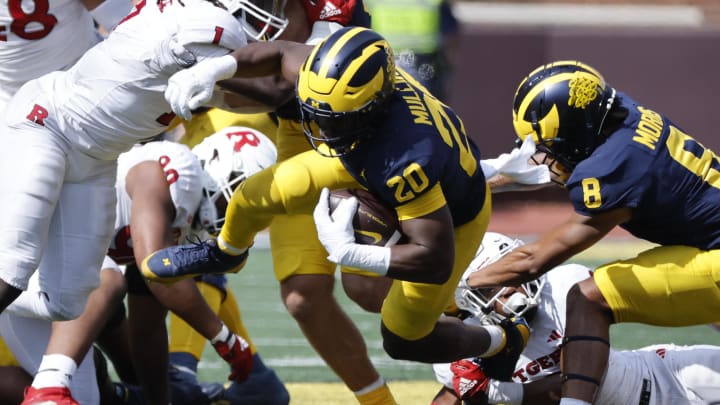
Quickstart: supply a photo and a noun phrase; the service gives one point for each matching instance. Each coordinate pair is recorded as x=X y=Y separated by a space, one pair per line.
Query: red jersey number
x=25 y=24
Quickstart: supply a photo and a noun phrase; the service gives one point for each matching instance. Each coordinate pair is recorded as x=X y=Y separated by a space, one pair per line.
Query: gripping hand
x=515 y=166
x=469 y=379
x=335 y=230
x=236 y=351
x=193 y=87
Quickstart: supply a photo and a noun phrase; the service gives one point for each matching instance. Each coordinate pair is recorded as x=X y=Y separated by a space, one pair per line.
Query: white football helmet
x=481 y=302
x=228 y=157
x=262 y=20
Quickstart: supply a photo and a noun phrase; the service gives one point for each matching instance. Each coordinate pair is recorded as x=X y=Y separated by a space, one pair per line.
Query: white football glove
x=515 y=165
x=193 y=87
x=337 y=235
x=335 y=231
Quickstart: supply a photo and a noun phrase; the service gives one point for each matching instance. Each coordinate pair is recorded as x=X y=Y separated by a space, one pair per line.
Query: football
x=374 y=223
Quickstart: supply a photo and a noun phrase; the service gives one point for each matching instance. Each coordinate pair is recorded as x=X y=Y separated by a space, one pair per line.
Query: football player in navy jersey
x=384 y=132
x=624 y=165
x=305 y=276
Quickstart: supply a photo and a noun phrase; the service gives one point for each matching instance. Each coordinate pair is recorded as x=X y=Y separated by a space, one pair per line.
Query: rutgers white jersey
x=654 y=375
x=113 y=96
x=40 y=36
x=541 y=356
x=662 y=374
x=184 y=175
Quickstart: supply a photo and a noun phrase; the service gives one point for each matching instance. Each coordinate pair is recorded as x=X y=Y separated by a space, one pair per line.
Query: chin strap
x=581 y=377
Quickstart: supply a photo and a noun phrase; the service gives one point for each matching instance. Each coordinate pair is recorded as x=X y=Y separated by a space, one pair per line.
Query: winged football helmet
x=482 y=302
x=343 y=86
x=228 y=157
x=261 y=19
x=563 y=105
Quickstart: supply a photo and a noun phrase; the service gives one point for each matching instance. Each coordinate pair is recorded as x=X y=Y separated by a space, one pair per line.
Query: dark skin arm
x=429 y=253
x=151 y=220
x=263 y=92
x=272 y=90
x=530 y=261
x=152 y=215
x=259 y=59
x=446 y=396
x=543 y=391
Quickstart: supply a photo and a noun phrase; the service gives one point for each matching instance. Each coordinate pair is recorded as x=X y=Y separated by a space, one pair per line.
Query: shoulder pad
x=204 y=23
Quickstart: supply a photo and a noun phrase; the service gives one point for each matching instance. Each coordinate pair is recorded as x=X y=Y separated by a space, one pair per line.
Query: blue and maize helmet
x=563 y=105
x=343 y=86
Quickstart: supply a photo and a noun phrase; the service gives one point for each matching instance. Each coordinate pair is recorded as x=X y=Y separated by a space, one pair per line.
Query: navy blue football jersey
x=420 y=142
x=671 y=181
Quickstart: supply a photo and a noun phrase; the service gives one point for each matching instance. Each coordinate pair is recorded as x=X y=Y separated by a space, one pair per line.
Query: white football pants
x=58 y=210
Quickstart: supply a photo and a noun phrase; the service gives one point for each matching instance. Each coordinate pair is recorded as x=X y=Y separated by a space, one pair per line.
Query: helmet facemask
x=216 y=197
x=342 y=132
x=343 y=89
x=492 y=305
x=227 y=158
x=262 y=20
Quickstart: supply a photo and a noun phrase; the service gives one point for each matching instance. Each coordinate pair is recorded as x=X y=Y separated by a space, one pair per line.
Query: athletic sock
x=231 y=250
x=497 y=340
x=56 y=370
x=573 y=401
x=377 y=393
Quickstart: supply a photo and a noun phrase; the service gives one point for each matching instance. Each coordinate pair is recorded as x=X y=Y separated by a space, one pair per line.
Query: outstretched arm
x=530 y=261
x=194 y=87
x=270 y=58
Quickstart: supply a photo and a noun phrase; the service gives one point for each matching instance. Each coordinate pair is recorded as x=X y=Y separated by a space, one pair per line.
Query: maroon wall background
x=674 y=71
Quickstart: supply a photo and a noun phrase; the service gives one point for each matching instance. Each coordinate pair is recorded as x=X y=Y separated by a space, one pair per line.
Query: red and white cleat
x=48 y=396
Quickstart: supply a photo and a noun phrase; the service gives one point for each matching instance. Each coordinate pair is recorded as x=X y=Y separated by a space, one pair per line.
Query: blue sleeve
x=612 y=177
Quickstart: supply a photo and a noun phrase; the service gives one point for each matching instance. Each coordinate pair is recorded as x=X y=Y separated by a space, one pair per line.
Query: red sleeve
x=339 y=11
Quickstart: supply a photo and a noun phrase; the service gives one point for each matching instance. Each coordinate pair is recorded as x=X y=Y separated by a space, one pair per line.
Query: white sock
x=56 y=370
x=372 y=387
x=573 y=401
x=232 y=250
x=497 y=340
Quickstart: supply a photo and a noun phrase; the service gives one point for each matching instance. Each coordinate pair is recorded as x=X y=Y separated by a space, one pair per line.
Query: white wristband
x=320 y=31
x=109 y=13
x=226 y=67
x=366 y=257
x=506 y=393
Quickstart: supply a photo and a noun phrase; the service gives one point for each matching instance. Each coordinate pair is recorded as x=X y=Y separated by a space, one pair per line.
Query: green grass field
x=283 y=347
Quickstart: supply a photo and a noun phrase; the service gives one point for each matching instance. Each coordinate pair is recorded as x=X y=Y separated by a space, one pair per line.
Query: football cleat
x=263 y=387
x=182 y=261
x=48 y=395
x=501 y=366
x=126 y=394
x=186 y=390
